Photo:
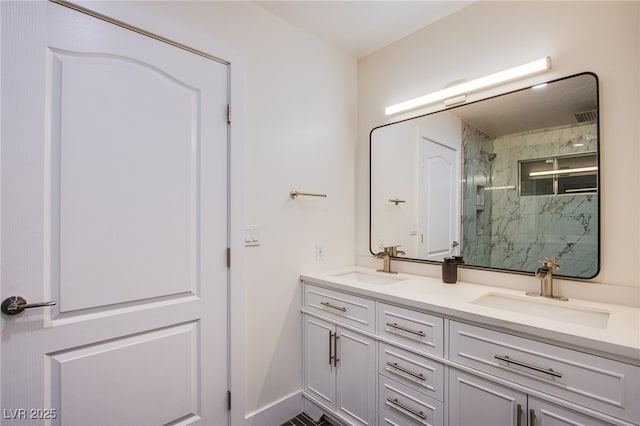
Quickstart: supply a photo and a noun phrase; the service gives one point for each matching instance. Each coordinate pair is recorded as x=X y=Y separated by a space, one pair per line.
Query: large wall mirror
x=503 y=182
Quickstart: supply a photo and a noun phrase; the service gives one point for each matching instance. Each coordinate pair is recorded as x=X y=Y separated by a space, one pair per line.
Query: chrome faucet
x=386 y=255
x=545 y=274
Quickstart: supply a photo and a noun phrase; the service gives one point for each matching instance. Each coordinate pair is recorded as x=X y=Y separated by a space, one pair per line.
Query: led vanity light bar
x=514 y=73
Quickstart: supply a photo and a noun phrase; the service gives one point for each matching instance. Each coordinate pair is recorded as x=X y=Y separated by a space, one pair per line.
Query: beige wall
x=602 y=37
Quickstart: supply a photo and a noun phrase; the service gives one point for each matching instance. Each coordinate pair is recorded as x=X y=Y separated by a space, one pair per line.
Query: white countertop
x=619 y=338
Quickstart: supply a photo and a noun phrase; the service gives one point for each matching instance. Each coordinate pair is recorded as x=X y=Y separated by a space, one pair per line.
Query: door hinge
x=228 y=257
x=228 y=400
x=228 y=113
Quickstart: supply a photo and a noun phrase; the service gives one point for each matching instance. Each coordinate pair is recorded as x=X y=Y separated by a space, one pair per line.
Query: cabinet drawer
x=387 y=418
x=599 y=383
x=415 y=371
x=416 y=330
x=353 y=310
x=407 y=406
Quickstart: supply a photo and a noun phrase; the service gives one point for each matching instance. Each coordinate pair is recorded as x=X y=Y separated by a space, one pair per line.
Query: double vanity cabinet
x=371 y=361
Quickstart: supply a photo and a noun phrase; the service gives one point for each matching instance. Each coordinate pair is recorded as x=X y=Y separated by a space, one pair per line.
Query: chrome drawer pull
x=408 y=330
x=337 y=308
x=404 y=370
x=548 y=371
x=399 y=406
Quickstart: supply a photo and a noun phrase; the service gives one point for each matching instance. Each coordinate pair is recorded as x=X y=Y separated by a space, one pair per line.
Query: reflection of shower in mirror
x=490 y=155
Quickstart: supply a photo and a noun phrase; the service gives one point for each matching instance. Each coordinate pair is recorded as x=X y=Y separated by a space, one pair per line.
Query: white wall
x=397 y=147
x=298 y=110
x=485 y=37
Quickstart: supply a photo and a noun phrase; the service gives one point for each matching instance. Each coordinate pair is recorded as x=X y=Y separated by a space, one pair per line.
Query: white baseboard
x=277 y=412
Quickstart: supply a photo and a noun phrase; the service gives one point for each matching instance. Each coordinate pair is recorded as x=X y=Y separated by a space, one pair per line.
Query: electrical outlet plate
x=319 y=252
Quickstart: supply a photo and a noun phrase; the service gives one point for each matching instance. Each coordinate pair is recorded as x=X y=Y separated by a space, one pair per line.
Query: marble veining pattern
x=526 y=229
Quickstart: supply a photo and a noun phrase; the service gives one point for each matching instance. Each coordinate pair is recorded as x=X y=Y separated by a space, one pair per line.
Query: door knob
x=15 y=304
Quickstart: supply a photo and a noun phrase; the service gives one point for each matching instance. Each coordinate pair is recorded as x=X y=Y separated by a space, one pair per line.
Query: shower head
x=490 y=155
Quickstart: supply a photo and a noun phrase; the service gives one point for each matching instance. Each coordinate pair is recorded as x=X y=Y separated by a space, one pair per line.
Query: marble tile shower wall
x=524 y=230
x=477 y=202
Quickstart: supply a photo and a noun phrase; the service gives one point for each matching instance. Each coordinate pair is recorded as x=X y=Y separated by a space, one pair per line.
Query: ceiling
x=550 y=106
x=362 y=27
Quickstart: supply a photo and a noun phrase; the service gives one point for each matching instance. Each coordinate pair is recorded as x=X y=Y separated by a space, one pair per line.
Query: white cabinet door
x=319 y=372
x=543 y=413
x=477 y=402
x=114 y=189
x=339 y=370
x=356 y=376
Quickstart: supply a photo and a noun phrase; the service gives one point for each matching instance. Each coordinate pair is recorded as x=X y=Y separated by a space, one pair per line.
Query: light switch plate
x=252 y=235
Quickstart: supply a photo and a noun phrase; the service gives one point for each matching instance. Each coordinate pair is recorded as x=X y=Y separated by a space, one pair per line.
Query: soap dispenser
x=450 y=270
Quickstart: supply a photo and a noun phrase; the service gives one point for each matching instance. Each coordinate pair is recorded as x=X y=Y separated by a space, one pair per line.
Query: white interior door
x=439 y=186
x=114 y=205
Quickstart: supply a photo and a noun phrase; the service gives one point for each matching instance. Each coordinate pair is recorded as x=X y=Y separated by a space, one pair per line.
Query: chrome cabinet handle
x=519 y=415
x=548 y=371
x=333 y=348
x=401 y=407
x=16 y=304
x=408 y=330
x=395 y=365
x=337 y=308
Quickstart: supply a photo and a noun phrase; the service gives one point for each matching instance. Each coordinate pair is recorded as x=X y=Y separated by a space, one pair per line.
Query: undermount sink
x=545 y=308
x=369 y=278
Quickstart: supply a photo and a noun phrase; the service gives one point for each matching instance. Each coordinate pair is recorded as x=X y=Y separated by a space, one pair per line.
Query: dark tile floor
x=303 y=420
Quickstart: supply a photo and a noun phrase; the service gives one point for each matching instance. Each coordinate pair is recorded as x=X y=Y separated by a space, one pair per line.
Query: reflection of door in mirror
x=439 y=185
x=415 y=201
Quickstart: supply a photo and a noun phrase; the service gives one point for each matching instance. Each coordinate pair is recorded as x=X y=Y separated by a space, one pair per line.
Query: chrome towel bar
x=294 y=194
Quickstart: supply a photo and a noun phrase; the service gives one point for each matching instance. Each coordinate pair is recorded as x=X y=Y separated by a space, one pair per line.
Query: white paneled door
x=439 y=186
x=114 y=205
